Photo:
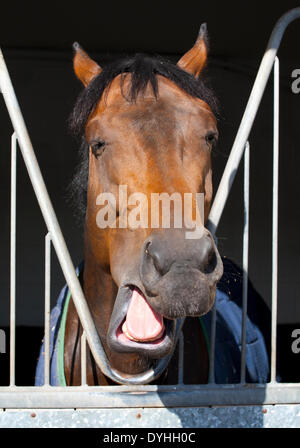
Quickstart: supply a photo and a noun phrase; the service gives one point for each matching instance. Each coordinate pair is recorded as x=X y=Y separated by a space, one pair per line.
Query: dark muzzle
x=179 y=274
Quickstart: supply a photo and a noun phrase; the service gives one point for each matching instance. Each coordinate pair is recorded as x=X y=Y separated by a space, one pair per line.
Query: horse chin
x=119 y=341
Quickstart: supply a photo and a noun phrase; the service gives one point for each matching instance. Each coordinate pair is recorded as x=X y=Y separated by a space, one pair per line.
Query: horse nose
x=161 y=252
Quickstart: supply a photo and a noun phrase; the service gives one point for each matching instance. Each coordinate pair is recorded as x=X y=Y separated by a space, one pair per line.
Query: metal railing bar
x=211 y=374
x=83 y=359
x=275 y=219
x=180 y=358
x=148 y=396
x=245 y=259
x=13 y=222
x=248 y=118
x=47 y=308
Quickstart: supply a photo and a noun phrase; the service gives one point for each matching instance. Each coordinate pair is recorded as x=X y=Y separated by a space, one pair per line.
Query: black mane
x=143 y=70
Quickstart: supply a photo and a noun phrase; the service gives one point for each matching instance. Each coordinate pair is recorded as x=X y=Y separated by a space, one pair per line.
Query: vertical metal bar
x=47 y=308
x=180 y=358
x=245 y=259
x=83 y=359
x=275 y=219
x=211 y=374
x=13 y=204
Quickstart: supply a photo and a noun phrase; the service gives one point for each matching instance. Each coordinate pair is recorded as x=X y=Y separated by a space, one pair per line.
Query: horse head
x=150 y=129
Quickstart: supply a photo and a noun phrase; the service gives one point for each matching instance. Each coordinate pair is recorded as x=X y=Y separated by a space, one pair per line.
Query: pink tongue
x=142 y=322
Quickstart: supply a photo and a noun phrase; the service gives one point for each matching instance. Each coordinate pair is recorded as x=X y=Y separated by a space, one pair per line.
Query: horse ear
x=194 y=60
x=85 y=68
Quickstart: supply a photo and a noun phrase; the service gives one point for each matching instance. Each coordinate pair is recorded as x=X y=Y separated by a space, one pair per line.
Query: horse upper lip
x=153 y=349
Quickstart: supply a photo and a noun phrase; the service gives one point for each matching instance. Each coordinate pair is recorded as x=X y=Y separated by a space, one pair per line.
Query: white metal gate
x=192 y=402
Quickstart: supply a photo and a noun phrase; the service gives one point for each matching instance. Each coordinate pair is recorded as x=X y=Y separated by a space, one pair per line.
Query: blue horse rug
x=227 y=344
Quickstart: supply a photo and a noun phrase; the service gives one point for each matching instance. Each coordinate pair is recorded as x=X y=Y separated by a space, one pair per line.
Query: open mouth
x=142 y=324
x=135 y=327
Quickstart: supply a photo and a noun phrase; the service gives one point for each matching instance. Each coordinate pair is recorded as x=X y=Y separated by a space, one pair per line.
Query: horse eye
x=211 y=138
x=97 y=148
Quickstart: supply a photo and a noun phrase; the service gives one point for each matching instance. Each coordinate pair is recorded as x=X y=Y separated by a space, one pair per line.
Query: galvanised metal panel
x=279 y=416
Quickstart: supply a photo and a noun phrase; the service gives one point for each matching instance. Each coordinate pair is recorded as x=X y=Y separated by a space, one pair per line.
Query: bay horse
x=150 y=125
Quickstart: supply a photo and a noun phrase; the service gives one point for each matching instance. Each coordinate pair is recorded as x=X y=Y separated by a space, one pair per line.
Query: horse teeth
x=124 y=329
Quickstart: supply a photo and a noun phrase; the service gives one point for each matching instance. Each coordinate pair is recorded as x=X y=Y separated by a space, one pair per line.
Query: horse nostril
x=146 y=249
x=211 y=263
x=208 y=258
x=157 y=259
